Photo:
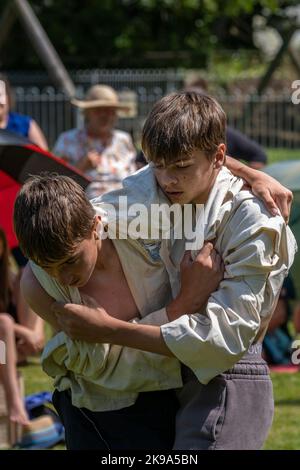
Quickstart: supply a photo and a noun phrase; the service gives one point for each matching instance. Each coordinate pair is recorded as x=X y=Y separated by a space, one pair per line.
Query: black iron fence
x=272 y=120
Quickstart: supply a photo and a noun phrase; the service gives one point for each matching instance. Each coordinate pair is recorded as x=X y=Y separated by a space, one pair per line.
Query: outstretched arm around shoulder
x=270 y=191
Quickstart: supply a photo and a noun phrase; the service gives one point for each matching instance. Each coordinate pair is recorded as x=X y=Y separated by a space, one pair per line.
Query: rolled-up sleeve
x=257 y=251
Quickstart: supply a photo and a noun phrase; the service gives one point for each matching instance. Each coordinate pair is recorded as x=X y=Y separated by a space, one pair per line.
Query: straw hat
x=101 y=96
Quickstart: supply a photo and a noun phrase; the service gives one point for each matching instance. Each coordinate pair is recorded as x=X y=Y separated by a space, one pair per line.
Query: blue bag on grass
x=45 y=429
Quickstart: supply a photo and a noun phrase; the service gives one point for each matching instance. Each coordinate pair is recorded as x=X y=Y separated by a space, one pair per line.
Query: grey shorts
x=233 y=411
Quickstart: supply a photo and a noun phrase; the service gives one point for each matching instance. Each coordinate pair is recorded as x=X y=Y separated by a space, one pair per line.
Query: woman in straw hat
x=98 y=149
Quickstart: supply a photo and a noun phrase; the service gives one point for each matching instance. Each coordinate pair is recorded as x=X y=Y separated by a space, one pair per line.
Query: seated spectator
x=104 y=153
x=15 y=122
x=278 y=340
x=239 y=146
x=21 y=330
x=22 y=125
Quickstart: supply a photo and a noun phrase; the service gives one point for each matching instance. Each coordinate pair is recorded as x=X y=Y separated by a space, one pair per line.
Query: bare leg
x=8 y=372
x=28 y=323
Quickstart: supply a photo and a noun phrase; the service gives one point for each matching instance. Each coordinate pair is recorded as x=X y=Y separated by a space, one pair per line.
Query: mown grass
x=278 y=155
x=285 y=434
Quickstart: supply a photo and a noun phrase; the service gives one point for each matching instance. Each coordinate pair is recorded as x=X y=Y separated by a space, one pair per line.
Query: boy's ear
x=96 y=222
x=219 y=157
x=98 y=227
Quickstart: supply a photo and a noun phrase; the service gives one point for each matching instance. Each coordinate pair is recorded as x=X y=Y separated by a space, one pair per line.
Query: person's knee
x=6 y=323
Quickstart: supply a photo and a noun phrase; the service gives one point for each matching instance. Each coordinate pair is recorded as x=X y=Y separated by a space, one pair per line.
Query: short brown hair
x=51 y=216
x=180 y=123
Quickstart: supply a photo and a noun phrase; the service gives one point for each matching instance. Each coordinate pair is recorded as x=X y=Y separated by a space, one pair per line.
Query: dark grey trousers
x=233 y=411
x=149 y=424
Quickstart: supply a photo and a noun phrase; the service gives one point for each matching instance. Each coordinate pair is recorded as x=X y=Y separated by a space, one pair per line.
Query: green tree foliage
x=137 y=33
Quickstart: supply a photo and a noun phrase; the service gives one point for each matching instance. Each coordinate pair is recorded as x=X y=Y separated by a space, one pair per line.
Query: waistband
x=251 y=364
x=253 y=354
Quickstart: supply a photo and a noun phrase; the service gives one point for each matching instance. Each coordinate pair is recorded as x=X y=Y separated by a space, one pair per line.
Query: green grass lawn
x=285 y=430
x=35 y=379
x=285 y=433
x=278 y=155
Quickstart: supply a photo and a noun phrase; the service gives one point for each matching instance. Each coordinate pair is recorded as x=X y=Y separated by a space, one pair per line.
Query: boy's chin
x=80 y=283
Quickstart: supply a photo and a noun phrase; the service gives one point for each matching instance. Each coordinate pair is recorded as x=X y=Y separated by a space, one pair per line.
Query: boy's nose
x=168 y=180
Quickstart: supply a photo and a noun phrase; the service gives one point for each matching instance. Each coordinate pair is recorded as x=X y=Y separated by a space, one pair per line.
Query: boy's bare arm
x=37 y=298
x=92 y=323
x=273 y=194
x=95 y=325
x=148 y=337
